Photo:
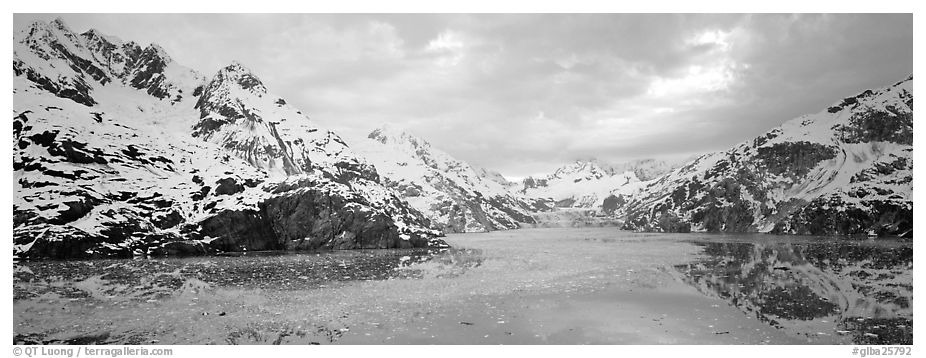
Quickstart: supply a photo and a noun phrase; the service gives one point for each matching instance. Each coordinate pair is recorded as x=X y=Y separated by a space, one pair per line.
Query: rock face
x=455 y=196
x=844 y=171
x=120 y=150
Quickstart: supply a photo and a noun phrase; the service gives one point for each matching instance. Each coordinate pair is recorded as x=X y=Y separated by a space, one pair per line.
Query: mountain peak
x=96 y=34
x=104 y=44
x=242 y=76
x=388 y=133
x=495 y=176
x=158 y=51
x=59 y=23
x=236 y=67
x=645 y=169
x=61 y=29
x=36 y=25
x=35 y=29
x=590 y=166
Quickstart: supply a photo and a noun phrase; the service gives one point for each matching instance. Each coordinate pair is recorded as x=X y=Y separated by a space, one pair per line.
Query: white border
x=474 y=6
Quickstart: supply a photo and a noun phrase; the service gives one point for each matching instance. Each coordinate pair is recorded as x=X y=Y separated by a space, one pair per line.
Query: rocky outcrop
x=315 y=219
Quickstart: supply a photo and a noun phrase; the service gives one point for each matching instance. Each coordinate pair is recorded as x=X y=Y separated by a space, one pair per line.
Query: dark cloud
x=524 y=93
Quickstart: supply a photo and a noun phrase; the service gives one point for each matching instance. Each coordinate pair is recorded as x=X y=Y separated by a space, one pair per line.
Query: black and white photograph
x=429 y=178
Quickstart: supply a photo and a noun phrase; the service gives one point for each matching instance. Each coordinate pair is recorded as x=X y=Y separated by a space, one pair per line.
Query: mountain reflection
x=814 y=289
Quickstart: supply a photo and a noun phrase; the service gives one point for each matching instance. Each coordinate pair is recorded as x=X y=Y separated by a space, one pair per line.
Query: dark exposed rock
x=237 y=230
x=530 y=182
x=56 y=242
x=149 y=75
x=79 y=64
x=831 y=216
x=77 y=152
x=299 y=220
x=228 y=186
x=612 y=203
x=714 y=212
x=19 y=123
x=794 y=158
x=201 y=194
x=879 y=126
x=317 y=219
x=180 y=248
x=208 y=125
x=168 y=220
x=76 y=89
x=76 y=208
x=142 y=156
x=507 y=206
x=248 y=81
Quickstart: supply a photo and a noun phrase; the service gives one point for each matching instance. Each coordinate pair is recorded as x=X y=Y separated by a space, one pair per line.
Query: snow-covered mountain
x=646 y=169
x=120 y=150
x=453 y=194
x=497 y=177
x=591 y=184
x=845 y=170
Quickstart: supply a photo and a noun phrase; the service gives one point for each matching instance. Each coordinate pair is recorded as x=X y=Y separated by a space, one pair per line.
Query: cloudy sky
x=523 y=94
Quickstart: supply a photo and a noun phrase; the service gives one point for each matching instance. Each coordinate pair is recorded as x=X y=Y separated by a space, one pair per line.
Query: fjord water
x=531 y=286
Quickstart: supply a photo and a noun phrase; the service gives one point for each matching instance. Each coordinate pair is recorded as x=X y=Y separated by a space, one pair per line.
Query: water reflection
x=144 y=279
x=814 y=289
x=141 y=287
x=449 y=264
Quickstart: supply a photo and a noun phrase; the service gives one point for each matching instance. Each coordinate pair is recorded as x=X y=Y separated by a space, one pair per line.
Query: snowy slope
x=120 y=150
x=453 y=194
x=591 y=184
x=646 y=169
x=844 y=170
x=497 y=177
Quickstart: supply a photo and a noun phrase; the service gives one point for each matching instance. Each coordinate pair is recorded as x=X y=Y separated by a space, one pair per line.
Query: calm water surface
x=536 y=286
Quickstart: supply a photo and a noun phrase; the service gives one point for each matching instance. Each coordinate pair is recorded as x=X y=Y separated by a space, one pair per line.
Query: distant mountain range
x=593 y=184
x=118 y=151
